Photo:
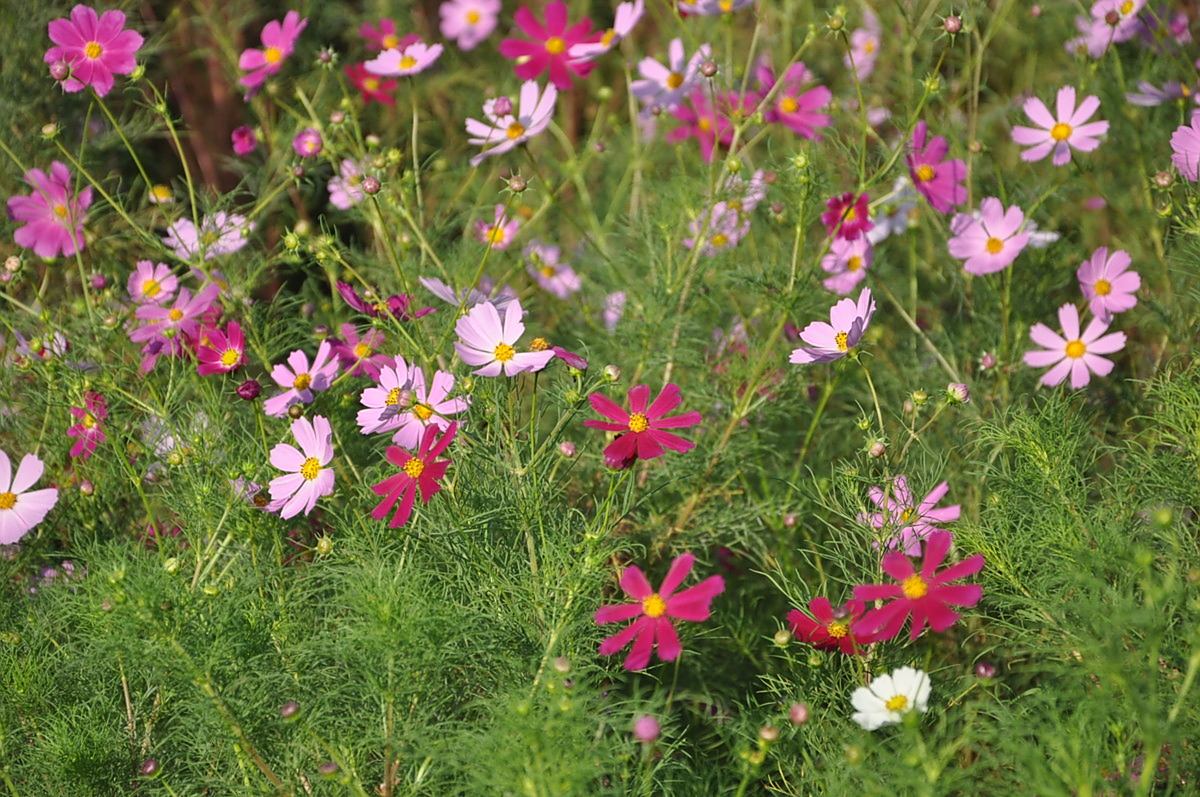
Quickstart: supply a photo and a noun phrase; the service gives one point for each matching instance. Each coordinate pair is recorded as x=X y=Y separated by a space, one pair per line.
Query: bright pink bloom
x=939 y=180
x=498 y=234
x=94 y=47
x=848 y=216
x=654 y=612
x=53 y=217
x=925 y=595
x=421 y=472
x=989 y=241
x=308 y=143
x=1073 y=353
x=89 y=431
x=301 y=381
x=152 y=283
x=1061 y=132
x=278 y=39
x=847 y=264
x=547 y=47
x=359 y=354
x=306 y=478
x=21 y=510
x=416 y=57
x=165 y=330
x=468 y=22
x=1108 y=283
x=373 y=88
x=829 y=628
x=244 y=140
x=1185 y=149
x=486 y=342
x=708 y=124
x=848 y=322
x=793 y=106
x=640 y=430
x=906 y=520
x=384 y=36
x=400 y=306
x=221 y=352
x=388 y=399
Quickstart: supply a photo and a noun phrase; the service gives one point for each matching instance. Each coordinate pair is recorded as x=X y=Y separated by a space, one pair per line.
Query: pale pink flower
x=848 y=321
x=864 y=46
x=152 y=283
x=345 y=190
x=1073 y=353
x=544 y=263
x=990 y=241
x=300 y=380
x=499 y=234
x=624 y=20
x=53 y=214
x=907 y=520
x=307 y=479
x=491 y=344
x=20 y=508
x=1185 y=149
x=415 y=58
x=468 y=22
x=504 y=131
x=670 y=84
x=847 y=263
x=1068 y=128
x=1108 y=283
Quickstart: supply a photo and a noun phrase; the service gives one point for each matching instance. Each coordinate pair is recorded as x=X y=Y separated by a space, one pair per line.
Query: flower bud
x=958 y=393
x=328 y=769
x=86 y=487
x=566 y=448
x=789 y=520
x=919 y=397
x=98 y=282
x=60 y=70
x=1163 y=179
x=604 y=93
x=324 y=545
x=987 y=361
x=326 y=57
x=952 y=24
x=835 y=23
x=12 y=264
x=782 y=638
x=562 y=665
x=138 y=72
x=503 y=106
x=149 y=768
x=171 y=565
x=50 y=131
x=768 y=733
x=985 y=669
x=877 y=449
x=612 y=372
x=646 y=729
x=798 y=713
x=289 y=710
x=337 y=117
x=371 y=185
x=295 y=411
x=249 y=390
x=708 y=68
x=517 y=184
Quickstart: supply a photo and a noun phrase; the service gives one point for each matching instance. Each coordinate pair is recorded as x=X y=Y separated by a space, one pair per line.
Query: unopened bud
x=149 y=768
x=782 y=638
x=60 y=70
x=798 y=713
x=371 y=185
x=952 y=24
x=86 y=487
x=566 y=448
x=708 y=68
x=12 y=264
x=289 y=709
x=295 y=411
x=324 y=545
x=877 y=449
x=768 y=733
x=612 y=372
x=958 y=393
x=249 y=390
x=646 y=729
x=985 y=669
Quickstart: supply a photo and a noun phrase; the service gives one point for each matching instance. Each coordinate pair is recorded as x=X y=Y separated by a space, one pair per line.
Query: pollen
x=473 y=17
x=851 y=215
x=837 y=630
x=362 y=350
x=61 y=211
x=175 y=314
x=1102 y=287
x=310 y=469
x=726 y=5
x=925 y=173
x=654 y=605
x=151 y=288
x=515 y=131
x=555 y=45
x=914 y=587
x=393 y=397
x=539 y=344
x=407 y=62
x=93 y=50
x=390 y=41
x=841 y=340
x=209 y=237
x=161 y=192
x=907 y=515
x=504 y=352
x=495 y=235
x=896 y=703
x=789 y=105
x=89 y=421
x=638 y=422
x=423 y=411
x=230 y=357
x=870 y=46
x=720 y=240
x=272 y=55
x=854 y=263
x=1076 y=349
x=607 y=38
x=674 y=80
x=371 y=84
x=1127 y=8
x=302 y=381
x=414 y=468
x=8 y=500
x=1060 y=132
x=704 y=123
x=994 y=246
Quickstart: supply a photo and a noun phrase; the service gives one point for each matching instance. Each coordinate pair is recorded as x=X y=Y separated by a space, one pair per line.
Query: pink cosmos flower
x=469 y=297
x=219 y=234
x=373 y=88
x=640 y=430
x=722 y=227
x=244 y=140
x=864 y=46
x=300 y=380
x=89 y=431
x=707 y=122
x=848 y=321
x=1185 y=149
x=925 y=595
x=1149 y=95
x=385 y=36
x=544 y=264
x=401 y=404
x=654 y=612
x=221 y=352
x=359 y=354
x=939 y=180
x=1107 y=283
x=21 y=510
x=713 y=8
x=1067 y=129
x=614 y=308
x=389 y=398
x=848 y=216
x=53 y=218
x=499 y=234
x=548 y=46
x=991 y=241
x=743 y=195
x=152 y=283
x=1073 y=353
x=307 y=479
x=829 y=628
x=484 y=341
x=417 y=57
x=668 y=85
x=308 y=143
x=468 y=22
x=94 y=47
x=625 y=19
x=421 y=472
x=847 y=263
x=165 y=330
x=504 y=131
x=793 y=106
x=278 y=39
x=1119 y=16
x=908 y=521
x=345 y=190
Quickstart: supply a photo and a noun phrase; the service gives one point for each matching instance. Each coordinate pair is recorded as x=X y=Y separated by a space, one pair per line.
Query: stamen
x=311 y=468
x=654 y=605
x=638 y=422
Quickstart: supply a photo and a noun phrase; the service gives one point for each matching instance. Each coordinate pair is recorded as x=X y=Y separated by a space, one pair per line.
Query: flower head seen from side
x=384 y=35
x=152 y=283
x=713 y=8
x=88 y=429
x=625 y=19
x=468 y=22
x=500 y=232
x=415 y=58
x=848 y=216
x=848 y=320
x=796 y=104
x=926 y=595
x=888 y=698
x=469 y=297
x=400 y=306
x=219 y=234
x=21 y=508
x=490 y=344
x=1066 y=129
x=306 y=477
x=939 y=180
x=503 y=132
x=553 y=275
x=278 y=40
x=990 y=241
x=371 y=87
x=667 y=85
x=654 y=611
x=1108 y=283
x=345 y=190
x=358 y=353
x=847 y=264
x=95 y=47
x=1185 y=148
x=299 y=380
x=907 y=521
x=1073 y=353
x=419 y=473
x=864 y=46
x=53 y=214
x=828 y=628
x=221 y=352
x=641 y=430
x=547 y=46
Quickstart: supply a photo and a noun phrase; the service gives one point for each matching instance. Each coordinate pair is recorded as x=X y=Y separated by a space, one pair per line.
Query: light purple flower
x=503 y=132
x=300 y=380
x=614 y=308
x=1073 y=353
x=907 y=521
x=543 y=262
x=1068 y=128
x=670 y=84
x=1108 y=283
x=625 y=19
x=1185 y=149
x=468 y=22
x=21 y=508
x=345 y=190
x=499 y=234
x=722 y=228
x=848 y=321
x=400 y=403
x=864 y=46
x=990 y=241
x=220 y=233
x=847 y=263
x=412 y=59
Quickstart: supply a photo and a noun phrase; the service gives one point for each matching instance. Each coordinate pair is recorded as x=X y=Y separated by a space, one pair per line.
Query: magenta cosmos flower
x=89 y=429
x=655 y=611
x=546 y=49
x=795 y=106
x=847 y=264
x=848 y=320
x=989 y=241
x=486 y=342
x=1066 y=129
x=707 y=122
x=940 y=181
x=373 y=88
x=926 y=595
x=152 y=283
x=399 y=306
x=417 y=57
x=358 y=354
x=667 y=85
x=500 y=232
x=306 y=478
x=308 y=143
x=625 y=19
x=828 y=628
x=641 y=430
x=848 y=216
x=1107 y=282
x=420 y=472
x=221 y=352
x=165 y=330
x=1185 y=149
x=52 y=215
x=468 y=22
x=243 y=140
x=20 y=509
x=278 y=40
x=385 y=36
x=908 y=521
x=300 y=380
x=94 y=47
x=506 y=127
x=1073 y=353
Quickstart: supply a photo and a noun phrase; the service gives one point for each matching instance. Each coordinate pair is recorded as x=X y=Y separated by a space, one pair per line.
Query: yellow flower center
x=414 y=468
x=704 y=123
x=515 y=130
x=1076 y=349
x=302 y=381
x=151 y=287
x=1127 y=8
x=272 y=55
x=230 y=357
x=994 y=245
x=310 y=469
x=907 y=515
x=60 y=211
x=362 y=350
x=925 y=173
x=407 y=62
x=837 y=630
x=607 y=38
x=854 y=263
x=851 y=214
x=8 y=500
x=896 y=703
x=423 y=411
x=841 y=340
x=555 y=45
x=495 y=235
x=914 y=587
x=209 y=237
x=726 y=5
x=391 y=41
x=393 y=397
x=870 y=46
x=161 y=192
x=654 y=605
x=638 y=422
x=539 y=344
x=720 y=239
x=674 y=80
x=548 y=271
x=1102 y=287
x=371 y=84
x=789 y=105
x=504 y=352
x=93 y=50
x=88 y=421
x=1060 y=132
x=175 y=314
x=473 y=17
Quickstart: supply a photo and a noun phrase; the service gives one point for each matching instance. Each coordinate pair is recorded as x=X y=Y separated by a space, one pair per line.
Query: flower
x=668 y=85
x=909 y=522
x=655 y=611
x=248 y=390
x=152 y=283
x=94 y=47
x=345 y=190
x=705 y=121
x=486 y=342
x=828 y=628
x=52 y=215
x=940 y=181
x=1107 y=282
x=552 y=275
x=546 y=49
x=848 y=216
x=1185 y=149
x=847 y=262
x=244 y=140
x=625 y=18
x=416 y=57
x=398 y=305
x=373 y=88
x=1073 y=353
x=722 y=226
x=889 y=697
x=468 y=22
x=221 y=352
x=400 y=403
x=219 y=234
x=712 y=8
x=646 y=729
x=504 y=131
x=21 y=510
x=301 y=380
x=792 y=106
x=422 y=472
x=864 y=47
x=384 y=36
x=500 y=233
x=164 y=330
x=614 y=308
x=308 y=143
x=160 y=194
x=388 y=398
x=307 y=479
x=469 y=297
x=926 y=595
x=848 y=320
x=640 y=431
x=278 y=39
x=1120 y=17
x=358 y=354
x=1149 y=95
x=1062 y=132
x=89 y=431
x=990 y=241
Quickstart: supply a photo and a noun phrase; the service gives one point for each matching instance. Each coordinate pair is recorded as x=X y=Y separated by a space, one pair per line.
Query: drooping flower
x=939 y=180
x=500 y=232
x=53 y=214
x=504 y=131
x=94 y=47
x=1073 y=353
x=668 y=85
x=400 y=305
x=925 y=595
x=89 y=429
x=308 y=143
x=1068 y=128
x=1149 y=95
x=468 y=22
x=486 y=342
x=469 y=297
x=546 y=48
x=544 y=263
x=847 y=263
x=722 y=228
x=152 y=283
x=416 y=57
x=221 y=352
x=219 y=234
x=848 y=216
x=1185 y=149
x=848 y=320
x=625 y=18
x=278 y=40
x=373 y=88
x=889 y=697
x=359 y=353
x=828 y=628
x=384 y=35
x=1108 y=283
x=244 y=140
x=420 y=472
x=990 y=241
x=641 y=429
x=306 y=478
x=653 y=612
x=908 y=522
x=864 y=46
x=795 y=105
x=300 y=380
x=20 y=508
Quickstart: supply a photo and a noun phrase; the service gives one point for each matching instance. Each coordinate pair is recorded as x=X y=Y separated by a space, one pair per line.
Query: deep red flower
x=548 y=49
x=373 y=88
x=848 y=216
x=642 y=427
x=829 y=628
x=421 y=471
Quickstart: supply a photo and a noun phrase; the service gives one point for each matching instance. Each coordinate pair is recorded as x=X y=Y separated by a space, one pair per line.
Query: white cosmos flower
x=889 y=697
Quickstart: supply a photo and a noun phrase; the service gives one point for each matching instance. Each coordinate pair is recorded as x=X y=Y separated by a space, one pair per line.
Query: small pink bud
x=502 y=106
x=60 y=70
x=952 y=24
x=646 y=729
x=566 y=448
x=798 y=713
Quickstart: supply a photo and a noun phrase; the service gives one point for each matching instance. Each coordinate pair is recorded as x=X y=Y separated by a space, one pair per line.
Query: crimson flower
x=642 y=435
x=89 y=430
x=848 y=216
x=548 y=49
x=828 y=627
x=220 y=352
x=373 y=88
x=421 y=471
